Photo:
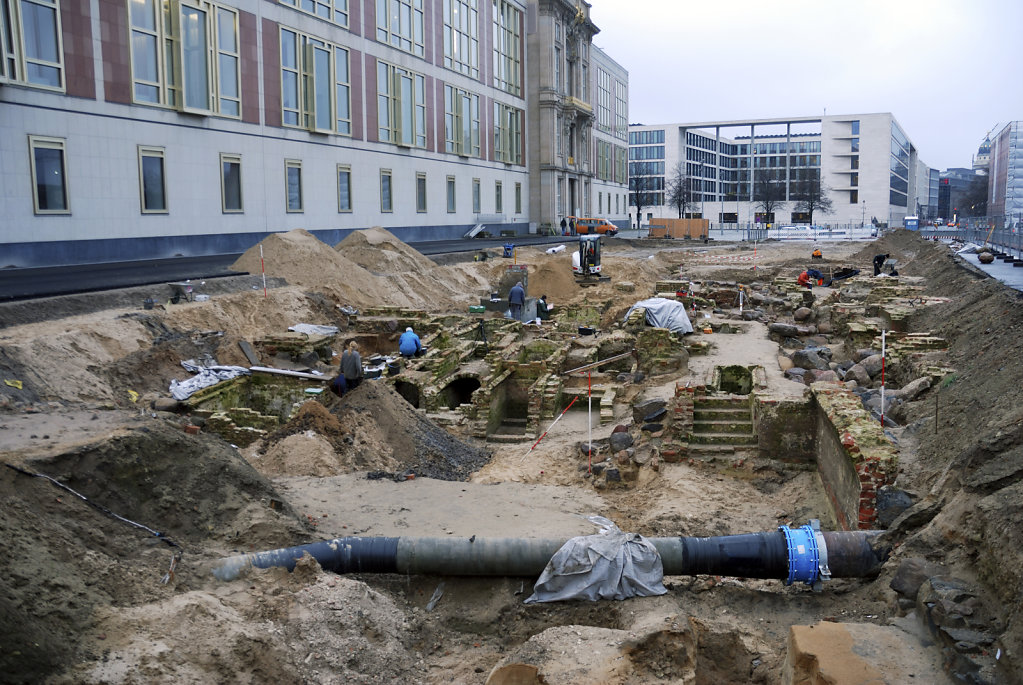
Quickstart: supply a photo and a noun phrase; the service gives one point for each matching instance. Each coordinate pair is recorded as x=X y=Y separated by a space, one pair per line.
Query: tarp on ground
x=609 y=565
x=206 y=376
x=664 y=313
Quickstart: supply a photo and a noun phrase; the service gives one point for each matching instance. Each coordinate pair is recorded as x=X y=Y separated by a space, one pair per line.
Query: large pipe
x=802 y=554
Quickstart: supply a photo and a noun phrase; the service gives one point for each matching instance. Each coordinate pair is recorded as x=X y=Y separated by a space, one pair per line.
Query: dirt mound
x=391 y=436
x=379 y=250
x=312 y=443
x=368 y=268
x=302 y=259
x=68 y=559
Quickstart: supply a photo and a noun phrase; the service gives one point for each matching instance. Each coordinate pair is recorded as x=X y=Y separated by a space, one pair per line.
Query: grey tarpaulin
x=609 y=565
x=207 y=376
x=314 y=329
x=664 y=313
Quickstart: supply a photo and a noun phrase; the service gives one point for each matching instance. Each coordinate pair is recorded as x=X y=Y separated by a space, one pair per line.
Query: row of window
x=611 y=162
x=619 y=198
x=648 y=152
x=646 y=137
x=186 y=56
x=50 y=183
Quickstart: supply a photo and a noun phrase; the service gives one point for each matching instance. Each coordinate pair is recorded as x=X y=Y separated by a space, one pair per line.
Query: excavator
x=586 y=262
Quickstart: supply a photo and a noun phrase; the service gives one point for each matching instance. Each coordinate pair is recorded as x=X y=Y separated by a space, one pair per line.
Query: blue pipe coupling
x=808 y=554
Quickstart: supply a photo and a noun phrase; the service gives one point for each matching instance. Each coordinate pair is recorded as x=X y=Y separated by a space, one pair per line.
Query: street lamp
x=863 y=216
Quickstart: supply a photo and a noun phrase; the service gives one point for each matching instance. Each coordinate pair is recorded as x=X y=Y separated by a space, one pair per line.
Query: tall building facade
x=578 y=118
x=1005 y=174
x=864 y=163
x=147 y=128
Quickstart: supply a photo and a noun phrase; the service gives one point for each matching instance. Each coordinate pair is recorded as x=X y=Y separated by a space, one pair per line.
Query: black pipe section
x=849 y=554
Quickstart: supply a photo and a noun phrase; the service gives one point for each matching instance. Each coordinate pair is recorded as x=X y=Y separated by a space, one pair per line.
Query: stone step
x=721 y=413
x=733 y=439
x=722 y=402
x=729 y=427
x=505 y=438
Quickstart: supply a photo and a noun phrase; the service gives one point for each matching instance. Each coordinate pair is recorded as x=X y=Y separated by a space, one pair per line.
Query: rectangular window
x=498 y=198
x=31 y=51
x=401 y=106
x=386 y=203
x=476 y=201
x=231 y=183
x=451 y=194
x=186 y=55
x=344 y=188
x=421 y=193
x=49 y=175
x=507 y=134
x=507 y=47
x=152 y=184
x=293 y=184
x=461 y=36
x=331 y=10
x=621 y=111
x=518 y=198
x=557 y=70
x=854 y=197
x=461 y=122
x=604 y=114
x=600 y=203
x=400 y=23
x=315 y=84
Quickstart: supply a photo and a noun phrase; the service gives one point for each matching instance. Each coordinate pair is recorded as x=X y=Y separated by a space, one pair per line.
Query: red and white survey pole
x=882 y=375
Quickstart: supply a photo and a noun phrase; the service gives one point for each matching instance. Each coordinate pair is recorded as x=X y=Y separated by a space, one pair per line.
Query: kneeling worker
x=409 y=344
x=543 y=312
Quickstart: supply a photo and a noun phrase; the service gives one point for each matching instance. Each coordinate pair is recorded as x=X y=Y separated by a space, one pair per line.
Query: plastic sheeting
x=314 y=329
x=664 y=313
x=206 y=376
x=609 y=565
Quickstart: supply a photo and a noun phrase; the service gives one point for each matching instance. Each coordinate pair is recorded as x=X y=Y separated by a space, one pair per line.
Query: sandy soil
x=83 y=600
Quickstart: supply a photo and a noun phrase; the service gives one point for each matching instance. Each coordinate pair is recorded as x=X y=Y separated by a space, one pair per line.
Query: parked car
x=585 y=225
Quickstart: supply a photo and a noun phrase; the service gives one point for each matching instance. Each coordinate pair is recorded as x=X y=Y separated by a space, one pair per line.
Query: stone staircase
x=722 y=424
x=511 y=430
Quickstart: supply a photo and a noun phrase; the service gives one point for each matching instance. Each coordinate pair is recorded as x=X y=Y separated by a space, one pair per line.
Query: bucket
x=393 y=368
x=148 y=303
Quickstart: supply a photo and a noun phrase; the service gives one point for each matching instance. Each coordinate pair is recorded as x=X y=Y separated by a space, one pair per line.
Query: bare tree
x=642 y=194
x=769 y=191
x=681 y=190
x=812 y=196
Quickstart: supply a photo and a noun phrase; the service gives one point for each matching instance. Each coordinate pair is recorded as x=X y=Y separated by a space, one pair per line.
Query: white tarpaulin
x=664 y=313
x=314 y=329
x=609 y=565
x=206 y=376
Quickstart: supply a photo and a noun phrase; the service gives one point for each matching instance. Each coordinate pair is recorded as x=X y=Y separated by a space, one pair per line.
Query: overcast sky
x=949 y=70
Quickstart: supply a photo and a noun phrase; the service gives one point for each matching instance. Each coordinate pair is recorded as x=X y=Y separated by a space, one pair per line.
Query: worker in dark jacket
x=516 y=298
x=879 y=261
x=351 y=365
x=409 y=344
x=542 y=311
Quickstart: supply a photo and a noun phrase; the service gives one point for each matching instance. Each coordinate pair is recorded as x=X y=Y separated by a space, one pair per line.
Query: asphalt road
x=24 y=284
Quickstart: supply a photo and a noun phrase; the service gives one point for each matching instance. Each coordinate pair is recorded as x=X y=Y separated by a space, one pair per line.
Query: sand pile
x=368 y=268
x=302 y=259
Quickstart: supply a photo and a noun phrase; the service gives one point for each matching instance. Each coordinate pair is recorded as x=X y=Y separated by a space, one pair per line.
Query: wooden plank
x=249 y=352
x=293 y=374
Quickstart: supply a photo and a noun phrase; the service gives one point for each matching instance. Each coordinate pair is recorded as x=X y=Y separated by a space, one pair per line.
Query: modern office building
x=954 y=191
x=864 y=163
x=137 y=129
x=1005 y=174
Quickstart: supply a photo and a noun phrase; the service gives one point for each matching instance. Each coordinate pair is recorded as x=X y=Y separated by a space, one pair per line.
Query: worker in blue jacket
x=409 y=344
x=516 y=298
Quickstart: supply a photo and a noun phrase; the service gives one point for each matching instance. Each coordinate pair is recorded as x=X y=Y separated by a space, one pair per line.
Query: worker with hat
x=409 y=344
